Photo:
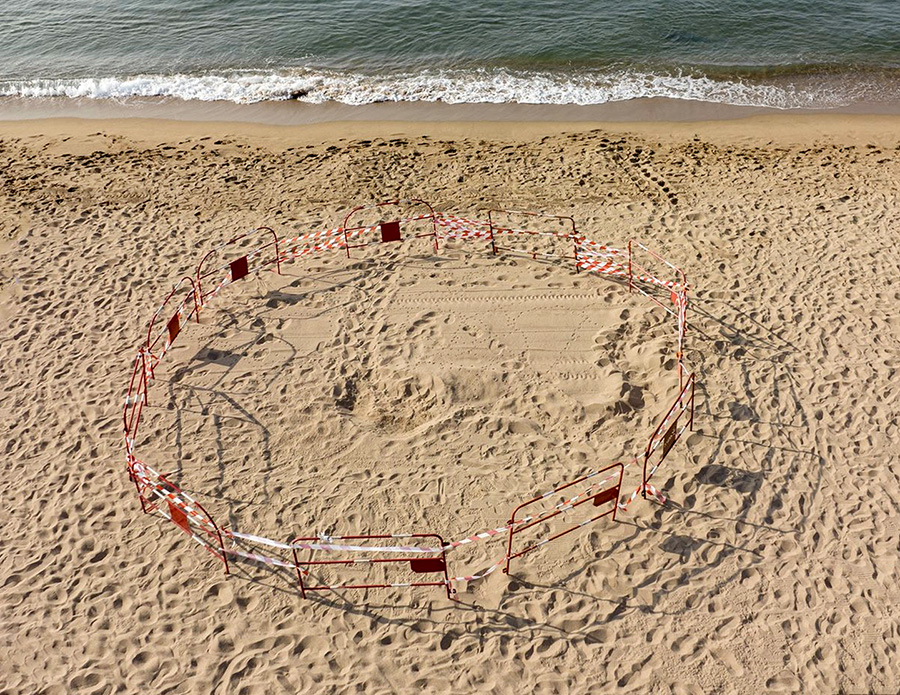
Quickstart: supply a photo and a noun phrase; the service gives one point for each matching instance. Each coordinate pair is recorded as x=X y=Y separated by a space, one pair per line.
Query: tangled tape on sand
x=157 y=494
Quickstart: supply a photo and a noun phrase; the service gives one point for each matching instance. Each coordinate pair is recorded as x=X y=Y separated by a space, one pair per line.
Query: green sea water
x=791 y=53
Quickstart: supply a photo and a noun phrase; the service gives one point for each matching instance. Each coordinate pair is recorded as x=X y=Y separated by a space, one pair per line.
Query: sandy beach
x=408 y=390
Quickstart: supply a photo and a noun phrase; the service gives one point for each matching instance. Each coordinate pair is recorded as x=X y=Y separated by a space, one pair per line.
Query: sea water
x=775 y=53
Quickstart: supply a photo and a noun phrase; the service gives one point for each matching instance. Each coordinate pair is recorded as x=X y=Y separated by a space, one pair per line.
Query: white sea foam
x=452 y=87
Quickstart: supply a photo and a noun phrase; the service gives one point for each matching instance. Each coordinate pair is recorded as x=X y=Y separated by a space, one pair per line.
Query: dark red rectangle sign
x=239 y=268
x=427 y=564
x=606 y=496
x=670 y=438
x=174 y=326
x=390 y=231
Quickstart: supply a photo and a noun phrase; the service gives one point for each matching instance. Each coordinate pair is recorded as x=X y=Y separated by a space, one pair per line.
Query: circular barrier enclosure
x=315 y=410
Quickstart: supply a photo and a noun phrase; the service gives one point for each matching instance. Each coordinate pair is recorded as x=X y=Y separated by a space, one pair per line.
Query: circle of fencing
x=422 y=553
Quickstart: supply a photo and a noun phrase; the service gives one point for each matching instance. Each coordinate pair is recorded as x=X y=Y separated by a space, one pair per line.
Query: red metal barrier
x=239 y=267
x=668 y=432
x=186 y=309
x=181 y=509
x=642 y=280
x=496 y=230
x=135 y=400
x=390 y=230
x=417 y=565
x=604 y=497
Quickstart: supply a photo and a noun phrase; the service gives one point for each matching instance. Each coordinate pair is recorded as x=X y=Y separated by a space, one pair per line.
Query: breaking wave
x=495 y=86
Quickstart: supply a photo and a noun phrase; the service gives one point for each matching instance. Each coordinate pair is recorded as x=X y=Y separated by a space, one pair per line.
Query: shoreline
x=754 y=128
x=289 y=113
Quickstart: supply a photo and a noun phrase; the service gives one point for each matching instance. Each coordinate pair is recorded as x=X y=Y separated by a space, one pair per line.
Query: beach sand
x=404 y=390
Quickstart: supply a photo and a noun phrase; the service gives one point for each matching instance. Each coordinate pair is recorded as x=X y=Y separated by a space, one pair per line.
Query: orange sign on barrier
x=178 y=506
x=178 y=516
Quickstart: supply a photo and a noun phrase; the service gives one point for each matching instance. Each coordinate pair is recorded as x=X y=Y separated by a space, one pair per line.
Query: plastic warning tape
x=652 y=280
x=461 y=228
x=605 y=267
x=597 y=247
x=652 y=490
x=296 y=252
x=311 y=236
x=263 y=559
x=327 y=545
x=484 y=573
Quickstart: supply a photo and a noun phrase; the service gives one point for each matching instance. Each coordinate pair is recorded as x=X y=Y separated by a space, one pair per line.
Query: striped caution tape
x=602 y=266
x=263 y=559
x=597 y=247
x=652 y=490
x=461 y=228
x=311 y=236
x=484 y=573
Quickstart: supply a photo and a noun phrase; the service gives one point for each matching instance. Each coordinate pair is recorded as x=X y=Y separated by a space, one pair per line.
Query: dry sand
x=404 y=390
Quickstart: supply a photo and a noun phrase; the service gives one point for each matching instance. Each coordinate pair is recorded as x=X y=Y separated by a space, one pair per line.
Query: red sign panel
x=424 y=565
x=174 y=326
x=390 y=231
x=179 y=517
x=670 y=437
x=239 y=268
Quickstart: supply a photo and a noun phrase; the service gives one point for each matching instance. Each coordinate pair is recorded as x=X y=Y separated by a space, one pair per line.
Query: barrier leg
x=511 y=523
x=450 y=589
x=630 y=276
x=222 y=550
x=691 y=423
x=299 y=573
x=138 y=488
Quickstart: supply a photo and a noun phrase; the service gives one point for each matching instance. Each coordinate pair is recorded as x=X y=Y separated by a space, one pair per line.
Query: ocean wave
x=452 y=87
